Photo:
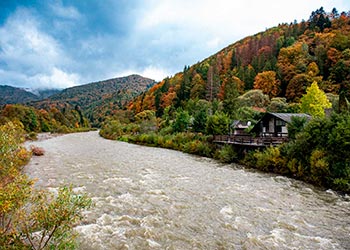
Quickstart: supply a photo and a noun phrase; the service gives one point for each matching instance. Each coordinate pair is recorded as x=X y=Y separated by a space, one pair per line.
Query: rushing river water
x=151 y=198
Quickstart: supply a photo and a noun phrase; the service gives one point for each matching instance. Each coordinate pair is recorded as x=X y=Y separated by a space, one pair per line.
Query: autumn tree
x=267 y=82
x=315 y=101
x=198 y=87
x=298 y=84
x=340 y=73
x=293 y=60
x=183 y=92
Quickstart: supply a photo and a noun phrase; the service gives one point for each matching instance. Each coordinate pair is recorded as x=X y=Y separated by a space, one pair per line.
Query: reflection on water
x=150 y=198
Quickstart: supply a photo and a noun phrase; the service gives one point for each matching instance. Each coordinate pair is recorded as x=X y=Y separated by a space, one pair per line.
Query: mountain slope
x=282 y=62
x=9 y=95
x=85 y=95
x=97 y=98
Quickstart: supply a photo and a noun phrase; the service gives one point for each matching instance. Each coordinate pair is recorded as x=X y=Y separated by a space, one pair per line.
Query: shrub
x=226 y=154
x=319 y=167
x=249 y=159
x=53 y=217
x=197 y=147
x=32 y=218
x=270 y=160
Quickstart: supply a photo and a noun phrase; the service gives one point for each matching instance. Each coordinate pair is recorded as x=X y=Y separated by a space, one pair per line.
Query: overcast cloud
x=46 y=44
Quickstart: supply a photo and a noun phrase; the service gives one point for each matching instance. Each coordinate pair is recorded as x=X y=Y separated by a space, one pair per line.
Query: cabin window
x=280 y=123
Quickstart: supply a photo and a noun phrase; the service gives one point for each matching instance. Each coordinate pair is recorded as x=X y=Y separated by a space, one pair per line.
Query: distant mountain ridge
x=94 y=100
x=87 y=94
x=11 y=95
x=98 y=98
x=15 y=95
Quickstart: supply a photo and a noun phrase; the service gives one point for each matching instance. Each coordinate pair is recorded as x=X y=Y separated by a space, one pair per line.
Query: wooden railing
x=250 y=140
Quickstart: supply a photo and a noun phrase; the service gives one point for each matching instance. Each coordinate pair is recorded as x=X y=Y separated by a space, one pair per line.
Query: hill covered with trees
x=291 y=68
x=99 y=99
x=281 y=62
x=70 y=109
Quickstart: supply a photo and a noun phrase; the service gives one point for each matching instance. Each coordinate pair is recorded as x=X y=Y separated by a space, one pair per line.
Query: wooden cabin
x=272 y=130
x=275 y=124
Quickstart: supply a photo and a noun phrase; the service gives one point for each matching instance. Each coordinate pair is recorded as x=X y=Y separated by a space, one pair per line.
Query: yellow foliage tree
x=315 y=101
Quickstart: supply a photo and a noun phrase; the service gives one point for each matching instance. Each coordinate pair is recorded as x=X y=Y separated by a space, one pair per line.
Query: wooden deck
x=248 y=140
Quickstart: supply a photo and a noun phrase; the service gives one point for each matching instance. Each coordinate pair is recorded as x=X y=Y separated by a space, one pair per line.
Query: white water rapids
x=151 y=198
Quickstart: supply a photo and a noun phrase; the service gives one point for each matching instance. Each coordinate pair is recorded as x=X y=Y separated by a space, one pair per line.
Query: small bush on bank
x=270 y=160
x=226 y=154
x=198 y=147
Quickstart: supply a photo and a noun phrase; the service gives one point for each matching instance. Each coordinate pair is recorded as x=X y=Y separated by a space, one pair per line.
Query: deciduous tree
x=315 y=101
x=267 y=82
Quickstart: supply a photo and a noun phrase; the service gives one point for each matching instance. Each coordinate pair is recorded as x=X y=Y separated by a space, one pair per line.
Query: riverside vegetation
x=316 y=153
x=291 y=68
x=31 y=218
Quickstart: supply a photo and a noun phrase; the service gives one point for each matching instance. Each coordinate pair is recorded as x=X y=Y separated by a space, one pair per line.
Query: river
x=152 y=198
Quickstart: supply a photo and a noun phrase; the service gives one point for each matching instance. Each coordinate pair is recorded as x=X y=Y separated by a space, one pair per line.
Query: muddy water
x=150 y=198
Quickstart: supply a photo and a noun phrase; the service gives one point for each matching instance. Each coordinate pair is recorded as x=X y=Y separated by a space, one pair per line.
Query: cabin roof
x=287 y=117
x=237 y=124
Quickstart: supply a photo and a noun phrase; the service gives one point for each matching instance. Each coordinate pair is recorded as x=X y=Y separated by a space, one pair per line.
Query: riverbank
x=317 y=154
x=26 y=217
x=147 y=197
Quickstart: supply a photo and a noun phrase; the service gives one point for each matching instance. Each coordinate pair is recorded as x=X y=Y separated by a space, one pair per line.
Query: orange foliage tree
x=267 y=82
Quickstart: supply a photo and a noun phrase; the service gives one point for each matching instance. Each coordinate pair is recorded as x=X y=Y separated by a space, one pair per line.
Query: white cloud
x=155 y=73
x=152 y=72
x=53 y=79
x=68 y=12
x=23 y=44
x=226 y=20
x=32 y=53
x=56 y=79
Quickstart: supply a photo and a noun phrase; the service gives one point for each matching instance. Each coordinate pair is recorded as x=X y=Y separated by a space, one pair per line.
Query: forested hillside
x=59 y=118
x=281 y=62
x=99 y=99
x=292 y=68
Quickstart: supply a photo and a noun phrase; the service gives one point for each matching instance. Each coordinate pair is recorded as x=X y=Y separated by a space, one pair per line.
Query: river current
x=152 y=198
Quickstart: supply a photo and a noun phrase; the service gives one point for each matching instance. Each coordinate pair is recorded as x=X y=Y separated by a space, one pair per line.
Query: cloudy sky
x=46 y=44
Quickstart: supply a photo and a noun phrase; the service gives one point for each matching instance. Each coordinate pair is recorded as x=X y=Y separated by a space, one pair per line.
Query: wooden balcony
x=248 y=140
